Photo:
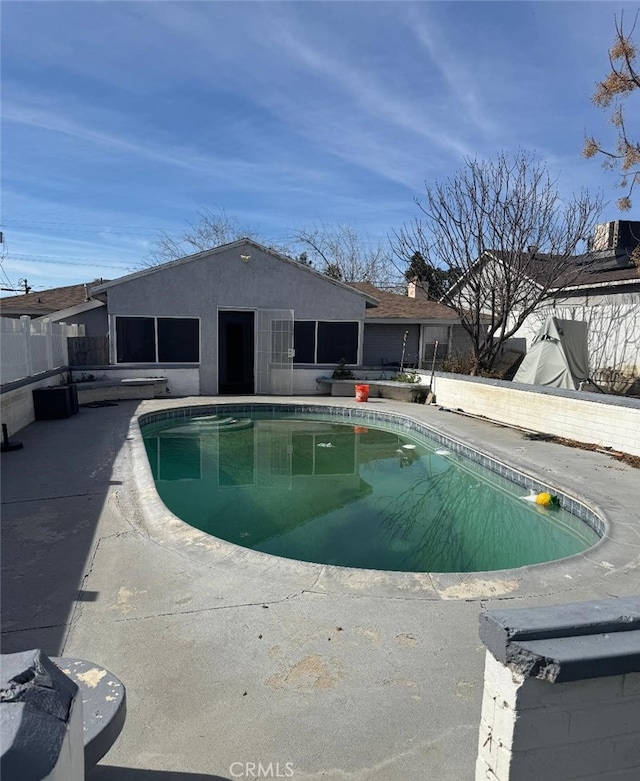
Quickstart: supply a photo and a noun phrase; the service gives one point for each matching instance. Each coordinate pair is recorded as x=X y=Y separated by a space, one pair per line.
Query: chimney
x=617 y=234
x=418 y=289
x=621 y=236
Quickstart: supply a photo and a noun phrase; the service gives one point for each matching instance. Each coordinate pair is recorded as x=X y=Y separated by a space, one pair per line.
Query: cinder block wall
x=531 y=729
x=561 y=697
x=585 y=417
x=16 y=405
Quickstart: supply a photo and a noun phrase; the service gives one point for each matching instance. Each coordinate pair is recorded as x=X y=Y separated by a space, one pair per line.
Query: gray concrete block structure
x=561 y=692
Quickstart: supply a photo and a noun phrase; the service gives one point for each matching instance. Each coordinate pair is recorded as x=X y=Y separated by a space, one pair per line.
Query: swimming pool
x=354 y=488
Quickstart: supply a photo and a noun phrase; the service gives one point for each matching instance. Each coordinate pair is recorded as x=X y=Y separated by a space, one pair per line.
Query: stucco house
x=242 y=318
x=226 y=321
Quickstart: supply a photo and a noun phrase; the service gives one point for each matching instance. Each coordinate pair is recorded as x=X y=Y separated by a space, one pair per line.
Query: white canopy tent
x=558 y=357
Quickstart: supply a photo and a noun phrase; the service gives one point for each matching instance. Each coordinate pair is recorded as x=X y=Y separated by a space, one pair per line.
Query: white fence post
x=48 y=333
x=67 y=331
x=25 y=322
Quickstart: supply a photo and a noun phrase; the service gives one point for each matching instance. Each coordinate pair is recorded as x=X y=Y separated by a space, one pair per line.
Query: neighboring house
x=603 y=289
x=71 y=304
x=423 y=321
x=228 y=319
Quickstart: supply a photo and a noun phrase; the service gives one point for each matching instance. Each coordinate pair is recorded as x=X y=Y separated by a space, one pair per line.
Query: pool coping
x=163 y=527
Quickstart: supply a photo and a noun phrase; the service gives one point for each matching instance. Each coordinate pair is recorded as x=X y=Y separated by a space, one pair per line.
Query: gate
x=274 y=351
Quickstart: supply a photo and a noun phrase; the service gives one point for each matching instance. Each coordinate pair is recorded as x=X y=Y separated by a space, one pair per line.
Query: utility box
x=57 y=401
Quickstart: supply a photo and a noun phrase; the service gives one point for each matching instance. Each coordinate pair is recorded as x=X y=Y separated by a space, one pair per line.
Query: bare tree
x=503 y=227
x=212 y=229
x=341 y=252
x=622 y=80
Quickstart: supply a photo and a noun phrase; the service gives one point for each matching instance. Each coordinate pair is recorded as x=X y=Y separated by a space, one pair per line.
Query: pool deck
x=231 y=656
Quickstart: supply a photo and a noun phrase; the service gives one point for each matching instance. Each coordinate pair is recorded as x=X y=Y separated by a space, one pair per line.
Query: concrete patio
x=232 y=659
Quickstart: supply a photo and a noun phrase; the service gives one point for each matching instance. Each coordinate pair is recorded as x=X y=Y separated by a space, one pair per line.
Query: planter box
x=113 y=390
x=381 y=389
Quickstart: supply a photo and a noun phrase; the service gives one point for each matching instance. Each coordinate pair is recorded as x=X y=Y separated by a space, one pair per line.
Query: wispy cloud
x=122 y=119
x=222 y=167
x=456 y=72
x=377 y=100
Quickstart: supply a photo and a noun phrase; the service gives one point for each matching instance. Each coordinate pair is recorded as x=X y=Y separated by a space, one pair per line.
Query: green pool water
x=351 y=495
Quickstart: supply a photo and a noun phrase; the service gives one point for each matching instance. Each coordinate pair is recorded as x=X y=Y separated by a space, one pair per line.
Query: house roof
x=603 y=268
x=104 y=287
x=393 y=306
x=608 y=266
x=596 y=268
x=46 y=301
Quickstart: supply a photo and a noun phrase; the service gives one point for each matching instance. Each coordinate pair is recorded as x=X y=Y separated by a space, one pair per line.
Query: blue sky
x=122 y=119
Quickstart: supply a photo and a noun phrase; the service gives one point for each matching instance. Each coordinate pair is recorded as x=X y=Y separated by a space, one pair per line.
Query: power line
x=50 y=260
x=55 y=223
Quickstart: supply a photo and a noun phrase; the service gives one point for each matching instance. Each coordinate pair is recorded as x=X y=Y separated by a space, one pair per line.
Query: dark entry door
x=235 y=352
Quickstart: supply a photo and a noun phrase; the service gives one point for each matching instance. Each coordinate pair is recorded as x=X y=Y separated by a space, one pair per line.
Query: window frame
x=317 y=323
x=155 y=319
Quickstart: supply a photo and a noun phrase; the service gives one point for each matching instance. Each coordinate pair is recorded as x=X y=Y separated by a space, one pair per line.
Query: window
x=304 y=341
x=337 y=341
x=325 y=342
x=136 y=340
x=178 y=340
x=157 y=339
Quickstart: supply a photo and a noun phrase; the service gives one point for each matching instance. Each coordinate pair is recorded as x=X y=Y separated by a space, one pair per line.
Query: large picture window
x=337 y=342
x=325 y=342
x=157 y=340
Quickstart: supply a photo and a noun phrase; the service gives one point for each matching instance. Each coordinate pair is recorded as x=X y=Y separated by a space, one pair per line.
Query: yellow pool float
x=546 y=499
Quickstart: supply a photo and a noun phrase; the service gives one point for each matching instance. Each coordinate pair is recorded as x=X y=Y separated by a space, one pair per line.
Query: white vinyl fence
x=28 y=348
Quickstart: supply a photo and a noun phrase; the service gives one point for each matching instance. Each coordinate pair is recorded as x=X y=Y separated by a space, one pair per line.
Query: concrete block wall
x=561 y=698
x=584 y=417
x=532 y=729
x=17 y=405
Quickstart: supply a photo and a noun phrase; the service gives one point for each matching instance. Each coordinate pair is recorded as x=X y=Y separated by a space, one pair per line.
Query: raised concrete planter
x=562 y=693
x=114 y=390
x=381 y=389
